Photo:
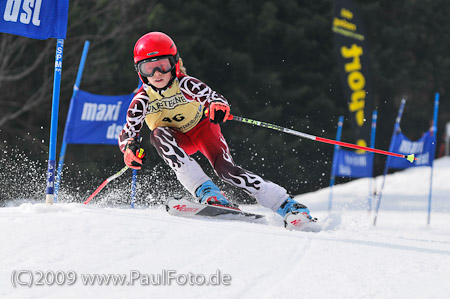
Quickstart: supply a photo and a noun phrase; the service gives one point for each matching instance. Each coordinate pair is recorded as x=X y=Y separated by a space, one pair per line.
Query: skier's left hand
x=218 y=112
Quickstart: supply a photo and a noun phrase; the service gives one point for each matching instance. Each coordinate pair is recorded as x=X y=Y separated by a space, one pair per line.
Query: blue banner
x=423 y=149
x=96 y=119
x=38 y=19
x=354 y=165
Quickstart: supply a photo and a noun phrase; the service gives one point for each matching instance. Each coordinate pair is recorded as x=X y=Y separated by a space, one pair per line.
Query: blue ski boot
x=209 y=193
x=291 y=206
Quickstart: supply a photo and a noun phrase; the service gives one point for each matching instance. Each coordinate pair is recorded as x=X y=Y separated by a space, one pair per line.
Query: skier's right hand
x=134 y=155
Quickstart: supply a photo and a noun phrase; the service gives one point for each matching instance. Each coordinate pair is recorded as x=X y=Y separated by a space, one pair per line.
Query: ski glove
x=134 y=155
x=218 y=112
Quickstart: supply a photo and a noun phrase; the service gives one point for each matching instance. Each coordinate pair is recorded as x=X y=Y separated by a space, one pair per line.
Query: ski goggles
x=147 y=68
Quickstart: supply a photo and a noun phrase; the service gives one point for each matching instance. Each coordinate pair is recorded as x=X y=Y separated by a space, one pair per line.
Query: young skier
x=173 y=105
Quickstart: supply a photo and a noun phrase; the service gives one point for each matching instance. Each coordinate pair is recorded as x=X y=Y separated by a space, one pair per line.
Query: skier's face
x=160 y=80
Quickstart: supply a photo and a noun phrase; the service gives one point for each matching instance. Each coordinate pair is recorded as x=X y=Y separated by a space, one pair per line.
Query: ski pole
x=140 y=154
x=410 y=157
x=115 y=176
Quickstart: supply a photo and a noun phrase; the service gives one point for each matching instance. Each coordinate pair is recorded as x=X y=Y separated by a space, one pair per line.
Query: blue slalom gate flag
x=96 y=119
x=41 y=19
x=354 y=165
x=423 y=149
x=38 y=19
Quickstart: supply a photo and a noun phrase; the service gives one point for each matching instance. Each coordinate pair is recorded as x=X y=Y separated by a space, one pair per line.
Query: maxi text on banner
x=353 y=62
x=38 y=19
x=423 y=149
x=97 y=119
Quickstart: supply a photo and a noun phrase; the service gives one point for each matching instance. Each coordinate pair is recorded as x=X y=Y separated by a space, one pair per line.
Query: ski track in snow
x=401 y=257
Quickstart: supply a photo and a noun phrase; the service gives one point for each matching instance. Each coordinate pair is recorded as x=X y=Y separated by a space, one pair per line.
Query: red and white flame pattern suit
x=179 y=128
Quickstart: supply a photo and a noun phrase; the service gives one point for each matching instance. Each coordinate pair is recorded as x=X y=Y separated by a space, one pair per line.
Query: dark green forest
x=273 y=60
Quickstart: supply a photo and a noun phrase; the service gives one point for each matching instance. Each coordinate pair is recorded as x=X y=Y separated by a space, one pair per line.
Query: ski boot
x=293 y=207
x=209 y=193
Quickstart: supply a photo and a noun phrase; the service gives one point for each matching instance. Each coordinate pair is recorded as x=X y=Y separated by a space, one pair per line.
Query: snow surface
x=401 y=257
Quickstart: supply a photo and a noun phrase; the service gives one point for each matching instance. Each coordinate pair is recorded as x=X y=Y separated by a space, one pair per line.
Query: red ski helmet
x=153 y=45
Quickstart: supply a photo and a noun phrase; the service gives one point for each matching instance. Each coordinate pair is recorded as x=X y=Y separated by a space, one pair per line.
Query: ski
x=299 y=221
x=185 y=208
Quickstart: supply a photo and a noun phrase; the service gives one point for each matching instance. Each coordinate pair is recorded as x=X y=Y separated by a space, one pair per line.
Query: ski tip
x=411 y=158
